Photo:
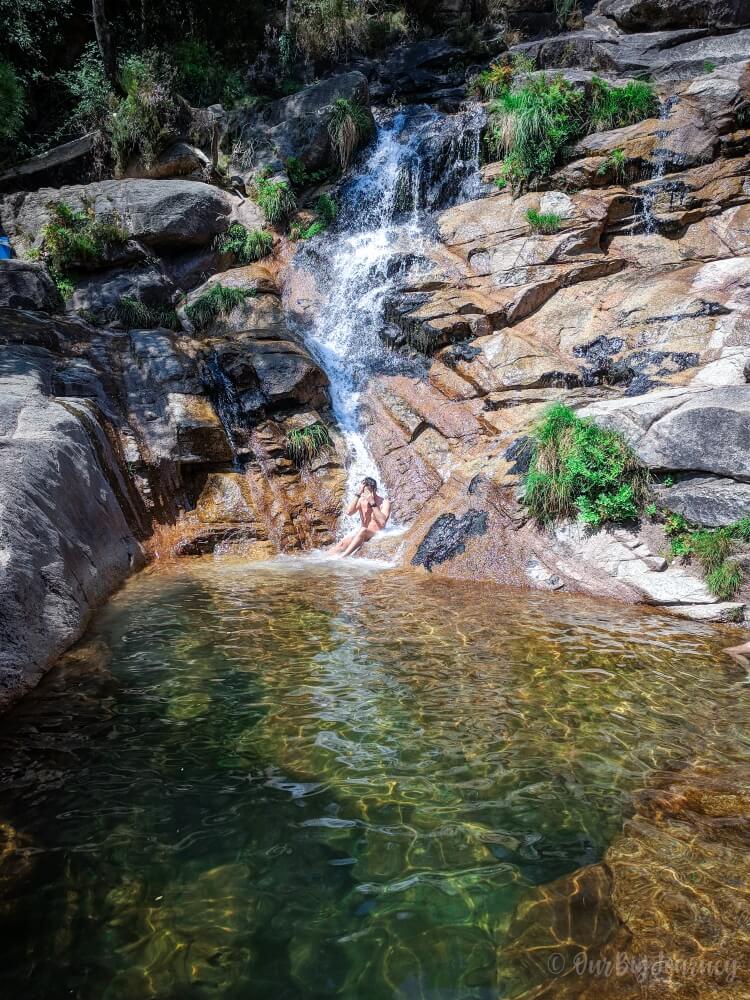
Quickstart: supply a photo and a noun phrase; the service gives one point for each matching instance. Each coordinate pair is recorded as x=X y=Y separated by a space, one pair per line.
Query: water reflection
x=302 y=781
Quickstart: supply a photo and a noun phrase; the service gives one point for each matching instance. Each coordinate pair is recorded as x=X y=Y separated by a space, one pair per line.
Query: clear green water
x=306 y=781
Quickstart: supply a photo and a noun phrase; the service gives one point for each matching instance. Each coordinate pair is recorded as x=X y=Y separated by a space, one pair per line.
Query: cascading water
x=420 y=162
x=648 y=221
x=228 y=409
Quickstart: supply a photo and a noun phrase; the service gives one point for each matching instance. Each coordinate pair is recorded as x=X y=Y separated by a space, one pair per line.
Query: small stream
x=298 y=780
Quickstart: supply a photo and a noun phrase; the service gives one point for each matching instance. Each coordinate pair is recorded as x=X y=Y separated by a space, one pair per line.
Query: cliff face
x=118 y=439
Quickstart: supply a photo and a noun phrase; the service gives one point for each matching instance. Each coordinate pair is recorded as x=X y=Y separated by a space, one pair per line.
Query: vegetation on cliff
x=247 y=245
x=75 y=239
x=350 y=126
x=303 y=444
x=579 y=469
x=715 y=550
x=535 y=118
x=218 y=300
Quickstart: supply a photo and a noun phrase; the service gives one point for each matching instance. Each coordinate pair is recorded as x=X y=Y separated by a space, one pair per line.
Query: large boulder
x=100 y=295
x=656 y=15
x=27 y=285
x=711 y=501
x=298 y=125
x=65 y=539
x=685 y=429
x=167 y=213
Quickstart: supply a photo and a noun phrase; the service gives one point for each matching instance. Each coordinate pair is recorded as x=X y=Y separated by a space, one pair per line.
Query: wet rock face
x=448 y=537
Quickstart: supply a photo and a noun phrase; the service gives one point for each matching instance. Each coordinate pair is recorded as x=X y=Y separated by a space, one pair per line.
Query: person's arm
x=351 y=509
x=381 y=514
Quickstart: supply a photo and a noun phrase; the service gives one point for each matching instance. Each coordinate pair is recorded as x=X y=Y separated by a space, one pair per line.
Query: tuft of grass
x=218 y=300
x=531 y=125
x=581 y=470
x=614 y=107
x=614 y=165
x=564 y=11
x=303 y=444
x=247 y=245
x=350 y=125
x=713 y=548
x=136 y=315
x=276 y=200
x=326 y=211
x=544 y=222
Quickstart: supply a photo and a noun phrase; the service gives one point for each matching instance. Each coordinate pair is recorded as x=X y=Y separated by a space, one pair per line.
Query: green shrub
x=349 y=127
x=544 y=222
x=490 y=83
x=145 y=119
x=303 y=444
x=74 y=239
x=218 y=300
x=300 y=176
x=614 y=107
x=276 y=200
x=580 y=469
x=136 y=315
x=246 y=245
x=201 y=75
x=12 y=102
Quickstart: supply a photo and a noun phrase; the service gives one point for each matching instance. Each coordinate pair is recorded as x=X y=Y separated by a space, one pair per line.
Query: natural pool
x=311 y=780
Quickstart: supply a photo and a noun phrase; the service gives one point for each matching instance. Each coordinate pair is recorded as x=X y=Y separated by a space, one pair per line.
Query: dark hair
x=370 y=483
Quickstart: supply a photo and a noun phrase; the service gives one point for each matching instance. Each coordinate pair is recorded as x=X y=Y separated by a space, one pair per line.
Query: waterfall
x=648 y=222
x=421 y=161
x=224 y=397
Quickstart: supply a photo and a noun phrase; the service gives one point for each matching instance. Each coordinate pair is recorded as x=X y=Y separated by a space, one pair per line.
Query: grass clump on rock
x=350 y=126
x=303 y=444
x=218 y=300
x=544 y=222
x=581 y=470
x=615 y=107
x=714 y=549
x=276 y=200
x=532 y=124
x=136 y=315
x=325 y=214
x=75 y=239
x=247 y=245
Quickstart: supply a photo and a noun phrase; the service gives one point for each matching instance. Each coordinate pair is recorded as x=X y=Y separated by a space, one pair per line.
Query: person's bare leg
x=740 y=654
x=343 y=544
x=362 y=536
